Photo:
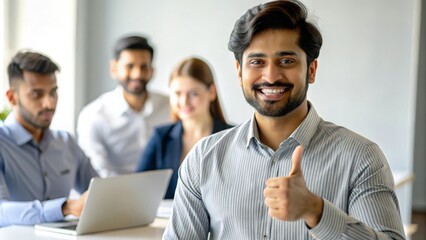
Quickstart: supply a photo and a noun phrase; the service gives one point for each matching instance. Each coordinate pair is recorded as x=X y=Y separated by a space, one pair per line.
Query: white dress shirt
x=113 y=135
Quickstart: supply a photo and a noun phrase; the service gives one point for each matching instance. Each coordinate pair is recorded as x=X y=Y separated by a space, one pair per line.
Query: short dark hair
x=32 y=62
x=280 y=14
x=132 y=42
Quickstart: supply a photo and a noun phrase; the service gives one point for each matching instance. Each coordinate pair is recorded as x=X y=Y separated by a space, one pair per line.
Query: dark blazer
x=164 y=150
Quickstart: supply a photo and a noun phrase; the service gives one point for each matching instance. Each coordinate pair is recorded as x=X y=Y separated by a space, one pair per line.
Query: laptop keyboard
x=71 y=227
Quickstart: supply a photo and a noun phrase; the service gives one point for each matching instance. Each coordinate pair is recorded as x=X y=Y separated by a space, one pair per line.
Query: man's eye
x=36 y=95
x=144 y=68
x=287 y=61
x=255 y=62
x=54 y=93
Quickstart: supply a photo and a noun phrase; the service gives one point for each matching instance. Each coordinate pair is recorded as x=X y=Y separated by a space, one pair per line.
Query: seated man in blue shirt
x=38 y=166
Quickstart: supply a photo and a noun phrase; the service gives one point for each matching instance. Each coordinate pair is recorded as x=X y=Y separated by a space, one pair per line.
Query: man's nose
x=272 y=73
x=49 y=102
x=136 y=73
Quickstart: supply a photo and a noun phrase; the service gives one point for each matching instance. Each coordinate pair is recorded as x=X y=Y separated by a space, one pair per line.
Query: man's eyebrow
x=256 y=55
x=37 y=90
x=286 y=53
x=40 y=90
x=279 y=54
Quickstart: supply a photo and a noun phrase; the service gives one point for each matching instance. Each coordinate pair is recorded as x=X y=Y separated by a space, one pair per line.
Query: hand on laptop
x=74 y=206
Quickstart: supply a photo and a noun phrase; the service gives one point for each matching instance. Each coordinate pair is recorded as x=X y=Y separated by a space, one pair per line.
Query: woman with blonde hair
x=197 y=113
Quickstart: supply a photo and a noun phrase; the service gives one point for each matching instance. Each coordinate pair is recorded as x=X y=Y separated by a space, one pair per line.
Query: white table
x=402 y=177
x=152 y=231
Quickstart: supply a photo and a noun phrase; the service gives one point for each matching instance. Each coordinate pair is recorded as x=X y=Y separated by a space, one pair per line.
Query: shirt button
x=265 y=236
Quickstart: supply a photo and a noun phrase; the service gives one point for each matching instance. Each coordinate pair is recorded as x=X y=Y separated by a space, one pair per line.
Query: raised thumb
x=296 y=159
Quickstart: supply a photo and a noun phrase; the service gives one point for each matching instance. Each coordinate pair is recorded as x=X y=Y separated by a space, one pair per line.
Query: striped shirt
x=221 y=183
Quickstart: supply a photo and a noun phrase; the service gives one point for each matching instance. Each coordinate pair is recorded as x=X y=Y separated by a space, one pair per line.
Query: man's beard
x=271 y=108
x=32 y=119
x=138 y=91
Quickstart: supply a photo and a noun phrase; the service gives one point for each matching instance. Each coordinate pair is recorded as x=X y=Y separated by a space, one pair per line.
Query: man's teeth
x=272 y=91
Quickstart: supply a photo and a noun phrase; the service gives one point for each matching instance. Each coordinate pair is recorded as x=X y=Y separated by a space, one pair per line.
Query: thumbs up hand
x=289 y=199
x=296 y=159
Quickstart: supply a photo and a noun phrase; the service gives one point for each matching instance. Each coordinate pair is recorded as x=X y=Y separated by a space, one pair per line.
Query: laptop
x=117 y=202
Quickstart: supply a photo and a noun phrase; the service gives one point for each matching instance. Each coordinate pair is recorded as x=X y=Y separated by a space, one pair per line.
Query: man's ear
x=152 y=71
x=11 y=96
x=237 y=64
x=313 y=70
x=113 y=68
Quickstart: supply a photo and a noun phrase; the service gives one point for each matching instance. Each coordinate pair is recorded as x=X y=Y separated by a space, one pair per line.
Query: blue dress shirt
x=36 y=179
x=164 y=150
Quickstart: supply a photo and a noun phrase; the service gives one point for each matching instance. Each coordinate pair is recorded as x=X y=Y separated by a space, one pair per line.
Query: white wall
x=419 y=188
x=365 y=79
x=4 y=16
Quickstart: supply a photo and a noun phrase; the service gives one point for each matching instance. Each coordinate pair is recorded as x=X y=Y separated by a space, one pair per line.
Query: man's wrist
x=314 y=215
x=65 y=208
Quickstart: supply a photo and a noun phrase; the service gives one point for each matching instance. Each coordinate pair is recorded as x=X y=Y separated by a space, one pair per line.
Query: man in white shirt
x=113 y=129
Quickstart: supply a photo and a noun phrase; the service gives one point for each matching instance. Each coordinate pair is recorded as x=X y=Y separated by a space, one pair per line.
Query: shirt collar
x=177 y=130
x=19 y=134
x=119 y=104
x=306 y=130
x=121 y=107
x=303 y=133
x=148 y=107
x=252 y=132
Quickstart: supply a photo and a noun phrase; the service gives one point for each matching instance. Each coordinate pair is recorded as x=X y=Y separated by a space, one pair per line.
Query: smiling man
x=114 y=129
x=38 y=166
x=286 y=173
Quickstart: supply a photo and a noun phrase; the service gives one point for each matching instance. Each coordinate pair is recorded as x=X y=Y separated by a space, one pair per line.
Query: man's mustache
x=140 y=79
x=46 y=111
x=275 y=84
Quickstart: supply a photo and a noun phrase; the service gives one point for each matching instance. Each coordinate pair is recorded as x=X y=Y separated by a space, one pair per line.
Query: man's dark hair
x=281 y=14
x=132 y=42
x=31 y=62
